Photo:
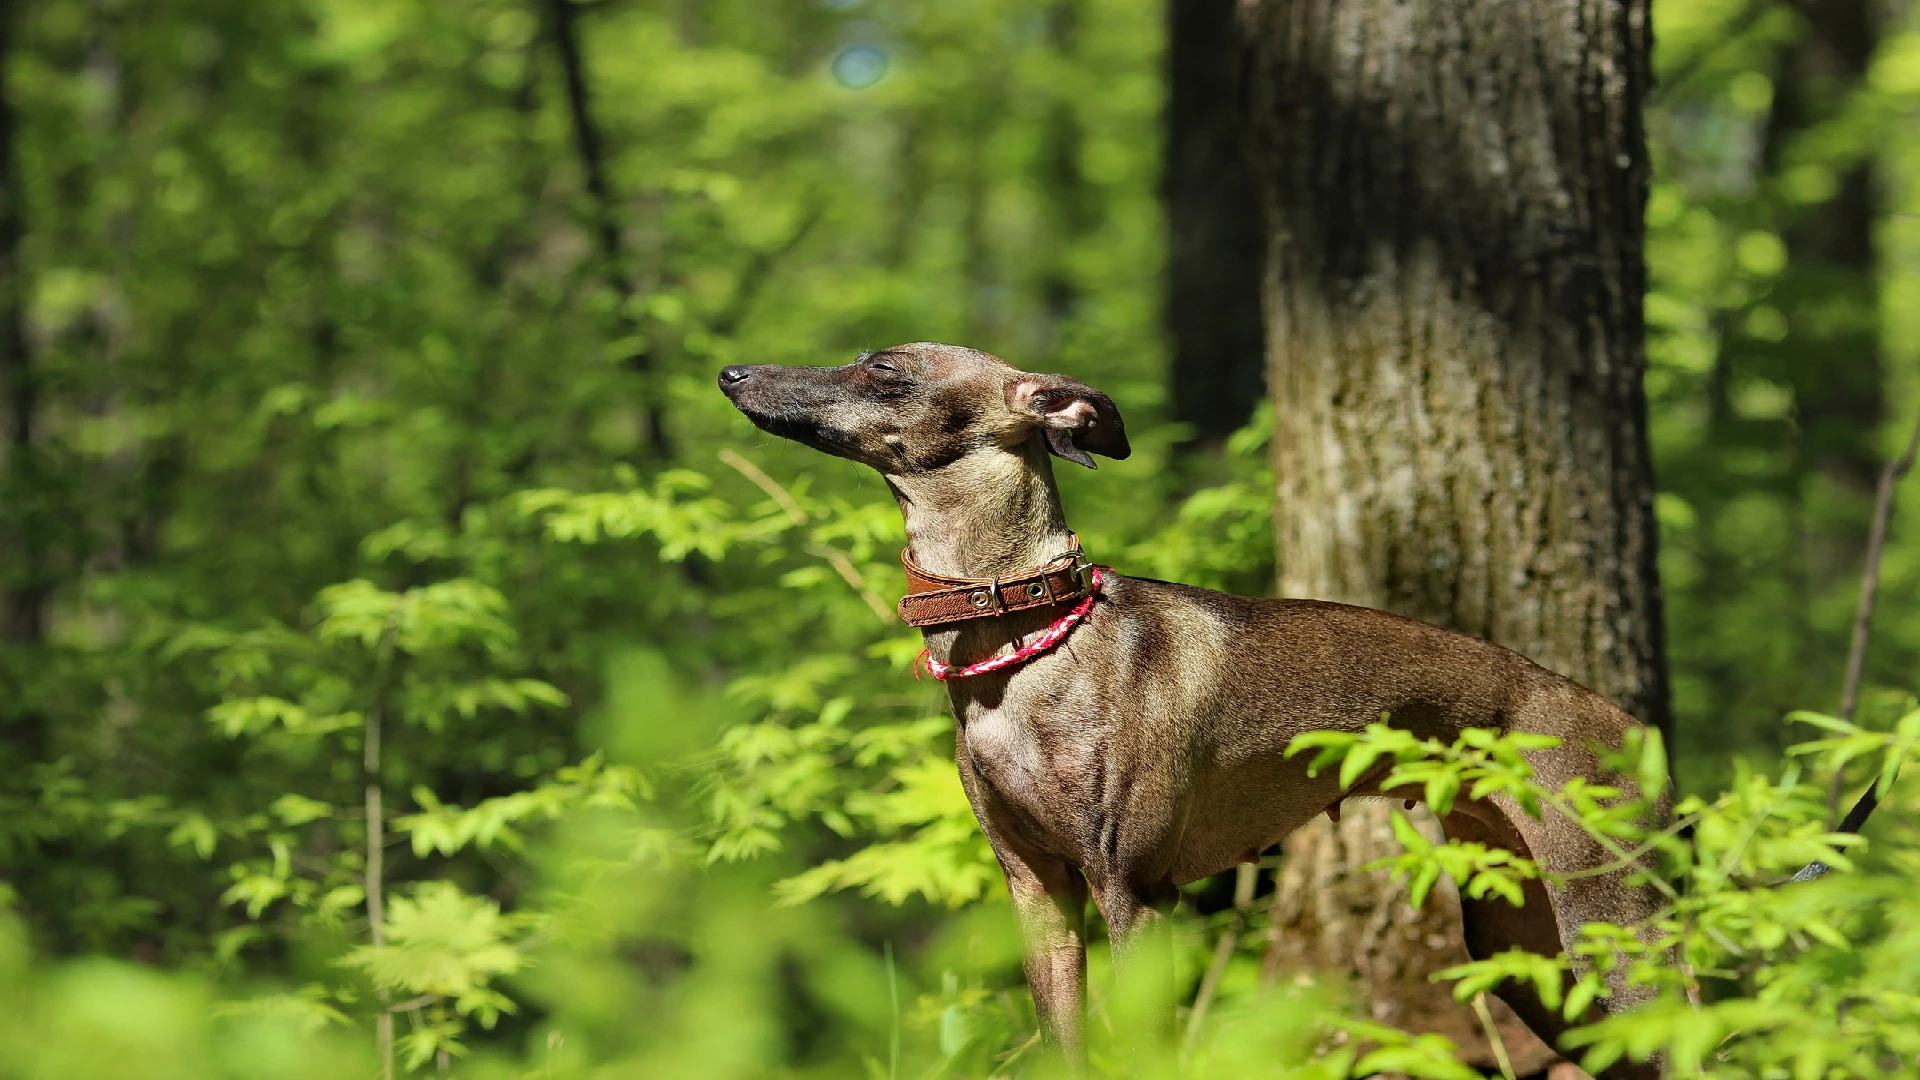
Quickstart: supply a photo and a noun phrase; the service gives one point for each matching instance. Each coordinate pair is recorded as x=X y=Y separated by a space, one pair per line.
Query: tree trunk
x=1454 y=196
x=589 y=144
x=1812 y=328
x=24 y=585
x=22 y=590
x=1829 y=290
x=1215 y=250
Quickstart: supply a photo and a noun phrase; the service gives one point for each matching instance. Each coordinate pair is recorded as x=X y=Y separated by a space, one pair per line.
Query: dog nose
x=736 y=374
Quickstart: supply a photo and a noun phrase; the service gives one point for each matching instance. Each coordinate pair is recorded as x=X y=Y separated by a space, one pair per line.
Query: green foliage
x=443 y=943
x=1780 y=334
x=347 y=421
x=942 y=857
x=1740 y=963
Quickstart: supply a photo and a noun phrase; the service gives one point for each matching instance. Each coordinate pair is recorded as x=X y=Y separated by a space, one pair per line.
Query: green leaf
x=1822 y=720
x=1579 y=998
x=195 y=831
x=1652 y=773
x=440 y=941
x=1358 y=758
x=294 y=809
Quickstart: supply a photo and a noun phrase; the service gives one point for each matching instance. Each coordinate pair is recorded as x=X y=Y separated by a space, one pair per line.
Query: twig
x=1493 y=1035
x=765 y=483
x=1623 y=858
x=893 y=1029
x=1862 y=622
x=1009 y=1057
x=1667 y=833
x=835 y=558
x=1612 y=846
x=1687 y=969
x=851 y=574
x=1246 y=876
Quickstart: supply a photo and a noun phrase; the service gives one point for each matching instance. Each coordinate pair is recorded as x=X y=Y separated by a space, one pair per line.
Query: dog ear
x=1077 y=419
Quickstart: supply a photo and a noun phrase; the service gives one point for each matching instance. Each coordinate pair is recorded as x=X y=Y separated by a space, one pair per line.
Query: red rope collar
x=1047 y=639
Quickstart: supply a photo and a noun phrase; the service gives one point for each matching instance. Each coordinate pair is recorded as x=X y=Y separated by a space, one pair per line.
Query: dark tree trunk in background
x=1215 y=239
x=20 y=603
x=1829 y=292
x=605 y=218
x=24 y=587
x=1453 y=313
x=22 y=590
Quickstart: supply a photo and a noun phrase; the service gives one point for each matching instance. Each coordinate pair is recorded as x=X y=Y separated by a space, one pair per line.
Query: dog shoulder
x=1304 y=625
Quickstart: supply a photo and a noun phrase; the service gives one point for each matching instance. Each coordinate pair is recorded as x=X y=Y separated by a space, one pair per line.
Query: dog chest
x=1036 y=775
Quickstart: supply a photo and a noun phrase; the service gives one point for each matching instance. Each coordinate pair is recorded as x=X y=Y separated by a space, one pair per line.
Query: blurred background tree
x=355 y=363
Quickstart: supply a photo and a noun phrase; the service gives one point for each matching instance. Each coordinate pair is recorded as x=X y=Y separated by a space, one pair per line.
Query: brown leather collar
x=933 y=600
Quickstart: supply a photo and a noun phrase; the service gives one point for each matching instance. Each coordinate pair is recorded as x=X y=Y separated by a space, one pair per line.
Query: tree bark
x=1215 y=246
x=1454 y=196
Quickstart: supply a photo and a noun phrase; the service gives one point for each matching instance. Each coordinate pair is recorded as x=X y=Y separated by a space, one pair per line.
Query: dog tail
x=1855 y=820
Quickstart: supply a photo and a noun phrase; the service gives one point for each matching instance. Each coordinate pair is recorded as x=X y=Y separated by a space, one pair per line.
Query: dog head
x=922 y=407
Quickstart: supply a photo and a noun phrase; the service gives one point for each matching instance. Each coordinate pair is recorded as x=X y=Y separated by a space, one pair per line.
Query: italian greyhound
x=1120 y=736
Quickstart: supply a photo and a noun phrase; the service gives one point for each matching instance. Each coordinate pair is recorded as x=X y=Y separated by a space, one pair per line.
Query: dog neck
x=991 y=513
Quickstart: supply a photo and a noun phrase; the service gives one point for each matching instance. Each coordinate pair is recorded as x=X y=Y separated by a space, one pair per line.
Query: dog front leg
x=1050 y=903
x=1050 y=900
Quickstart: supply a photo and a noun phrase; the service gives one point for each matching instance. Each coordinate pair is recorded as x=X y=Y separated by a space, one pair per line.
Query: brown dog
x=1147 y=749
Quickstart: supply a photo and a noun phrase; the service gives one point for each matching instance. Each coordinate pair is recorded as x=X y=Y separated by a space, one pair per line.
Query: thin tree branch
x=376 y=824
x=1862 y=624
x=835 y=558
x=1493 y=1035
x=768 y=484
x=851 y=574
x=1245 y=877
x=1612 y=846
x=1632 y=861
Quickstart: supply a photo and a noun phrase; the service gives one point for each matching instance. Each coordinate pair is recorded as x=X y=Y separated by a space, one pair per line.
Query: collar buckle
x=1082 y=575
x=1078 y=568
